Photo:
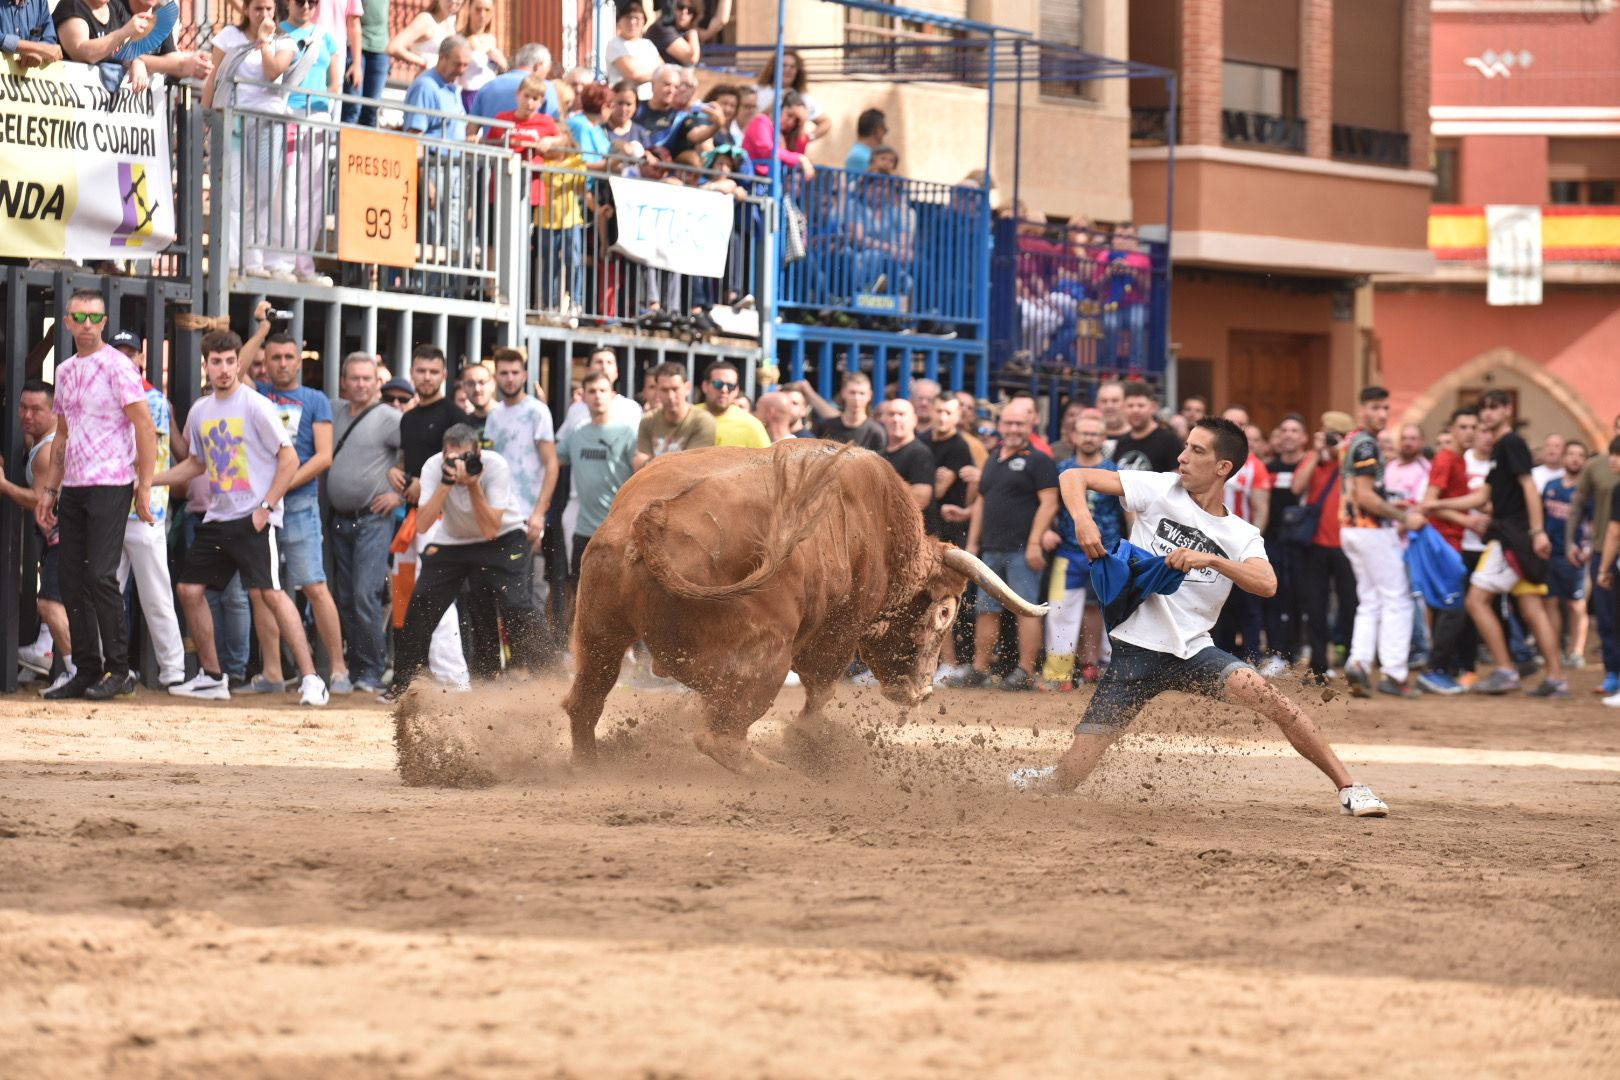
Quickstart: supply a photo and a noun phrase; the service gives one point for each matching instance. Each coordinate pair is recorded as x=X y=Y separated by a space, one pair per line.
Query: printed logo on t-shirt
x=1016 y=464
x=593 y=453
x=291 y=413
x=1173 y=534
x=667 y=445
x=225 y=448
x=1134 y=461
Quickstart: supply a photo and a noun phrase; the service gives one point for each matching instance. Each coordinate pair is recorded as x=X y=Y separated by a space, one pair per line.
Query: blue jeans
x=562 y=267
x=233 y=616
x=299 y=539
x=359 y=584
x=375 y=76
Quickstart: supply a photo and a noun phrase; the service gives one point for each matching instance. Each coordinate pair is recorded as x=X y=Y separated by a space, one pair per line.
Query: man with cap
x=146 y=547
x=365 y=434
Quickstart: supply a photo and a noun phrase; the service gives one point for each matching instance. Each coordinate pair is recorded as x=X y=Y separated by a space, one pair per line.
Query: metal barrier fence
x=886 y=246
x=578 y=274
x=1075 y=300
x=276 y=204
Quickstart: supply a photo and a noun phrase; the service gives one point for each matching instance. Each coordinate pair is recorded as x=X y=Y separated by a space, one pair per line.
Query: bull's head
x=902 y=648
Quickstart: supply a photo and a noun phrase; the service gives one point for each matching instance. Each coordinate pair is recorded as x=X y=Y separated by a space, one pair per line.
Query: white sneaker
x=1359 y=801
x=1032 y=779
x=35 y=659
x=792 y=679
x=68 y=673
x=1272 y=667
x=946 y=672
x=1612 y=701
x=312 y=691
x=204 y=687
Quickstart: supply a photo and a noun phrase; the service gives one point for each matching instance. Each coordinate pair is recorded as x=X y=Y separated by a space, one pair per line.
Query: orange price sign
x=377 y=198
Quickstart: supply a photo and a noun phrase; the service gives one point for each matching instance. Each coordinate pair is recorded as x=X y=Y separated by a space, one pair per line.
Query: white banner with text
x=671 y=227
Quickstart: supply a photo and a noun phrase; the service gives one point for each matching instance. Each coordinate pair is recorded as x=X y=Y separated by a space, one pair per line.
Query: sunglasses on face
x=396 y=399
x=723 y=387
x=94 y=318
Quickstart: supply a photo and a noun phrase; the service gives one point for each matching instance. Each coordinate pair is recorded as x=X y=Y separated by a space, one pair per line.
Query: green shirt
x=600 y=456
x=374 y=26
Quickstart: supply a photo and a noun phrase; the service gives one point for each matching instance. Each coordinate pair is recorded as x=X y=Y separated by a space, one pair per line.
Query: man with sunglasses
x=733 y=425
x=365 y=434
x=102 y=458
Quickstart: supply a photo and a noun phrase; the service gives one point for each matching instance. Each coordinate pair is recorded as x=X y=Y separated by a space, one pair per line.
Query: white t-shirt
x=459 y=523
x=1545 y=474
x=252 y=68
x=1478 y=470
x=238 y=440
x=640 y=49
x=622 y=412
x=1167 y=519
x=513 y=431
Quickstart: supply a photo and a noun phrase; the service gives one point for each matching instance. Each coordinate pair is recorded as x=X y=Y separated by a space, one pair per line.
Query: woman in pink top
x=760 y=139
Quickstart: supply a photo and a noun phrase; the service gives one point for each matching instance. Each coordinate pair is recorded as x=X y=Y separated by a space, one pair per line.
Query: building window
x=1584 y=193
x=1259 y=88
x=1444 y=167
x=1063 y=22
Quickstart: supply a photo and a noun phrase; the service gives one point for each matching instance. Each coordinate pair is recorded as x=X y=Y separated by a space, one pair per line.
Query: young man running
x=1165 y=643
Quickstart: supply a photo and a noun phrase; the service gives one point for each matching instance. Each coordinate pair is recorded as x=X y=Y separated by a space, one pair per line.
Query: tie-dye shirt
x=92 y=392
x=237 y=439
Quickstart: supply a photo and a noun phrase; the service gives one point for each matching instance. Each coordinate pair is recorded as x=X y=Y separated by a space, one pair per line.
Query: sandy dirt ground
x=211 y=891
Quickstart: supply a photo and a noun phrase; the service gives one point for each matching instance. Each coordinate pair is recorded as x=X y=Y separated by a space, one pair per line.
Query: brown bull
x=734 y=565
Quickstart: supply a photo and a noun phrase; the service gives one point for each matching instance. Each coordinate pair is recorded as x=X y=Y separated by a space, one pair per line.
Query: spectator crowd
x=432 y=525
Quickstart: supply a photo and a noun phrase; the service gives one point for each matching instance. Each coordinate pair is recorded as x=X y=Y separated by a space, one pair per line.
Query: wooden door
x=1272 y=375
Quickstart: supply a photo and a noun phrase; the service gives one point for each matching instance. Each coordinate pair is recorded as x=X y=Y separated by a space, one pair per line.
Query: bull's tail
x=803 y=491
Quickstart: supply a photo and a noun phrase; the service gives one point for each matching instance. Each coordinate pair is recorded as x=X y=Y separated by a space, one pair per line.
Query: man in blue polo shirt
x=443 y=216
x=306 y=414
x=436 y=89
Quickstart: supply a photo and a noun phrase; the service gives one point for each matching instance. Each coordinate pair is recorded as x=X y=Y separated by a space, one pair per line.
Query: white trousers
x=146 y=551
x=1383 y=600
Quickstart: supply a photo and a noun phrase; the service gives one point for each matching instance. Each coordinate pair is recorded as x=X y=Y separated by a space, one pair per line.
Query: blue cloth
x=327 y=53
x=859 y=158
x=1556 y=499
x=500 y=95
x=30 y=21
x=1126 y=576
x=300 y=409
x=430 y=91
x=1105 y=511
x=592 y=138
x=1437 y=571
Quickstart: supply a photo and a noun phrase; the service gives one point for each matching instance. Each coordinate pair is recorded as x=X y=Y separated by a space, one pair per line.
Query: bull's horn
x=963 y=563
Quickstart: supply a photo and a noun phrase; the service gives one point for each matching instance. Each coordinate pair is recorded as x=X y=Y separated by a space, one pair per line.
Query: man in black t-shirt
x=910 y=458
x=1283 y=610
x=1514 y=562
x=854 y=424
x=956 y=479
x=1147 y=445
x=1018 y=498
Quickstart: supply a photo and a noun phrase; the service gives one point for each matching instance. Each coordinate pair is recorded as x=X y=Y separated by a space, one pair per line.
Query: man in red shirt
x=1455 y=641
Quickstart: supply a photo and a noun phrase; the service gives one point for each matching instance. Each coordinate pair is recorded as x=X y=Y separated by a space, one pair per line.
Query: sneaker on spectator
x=391 y=693
x=1272 y=666
x=1358 y=800
x=1551 y=688
x=1019 y=679
x=1387 y=685
x=1612 y=701
x=71 y=684
x=946 y=672
x=203 y=686
x=1574 y=660
x=364 y=685
x=1360 y=680
x=35 y=659
x=864 y=677
x=312 y=691
x=969 y=680
x=1529 y=667
x=1499 y=681
x=261 y=685
x=341 y=685
x=1438 y=682
x=320 y=281
x=110 y=686
x=1611 y=684
x=170 y=678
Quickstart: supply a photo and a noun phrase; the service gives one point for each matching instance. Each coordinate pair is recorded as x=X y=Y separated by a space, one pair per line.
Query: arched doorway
x=1547 y=404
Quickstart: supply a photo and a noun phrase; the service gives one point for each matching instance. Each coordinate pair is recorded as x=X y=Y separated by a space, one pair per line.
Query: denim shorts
x=1136 y=676
x=1565 y=582
x=1013 y=568
x=300 y=541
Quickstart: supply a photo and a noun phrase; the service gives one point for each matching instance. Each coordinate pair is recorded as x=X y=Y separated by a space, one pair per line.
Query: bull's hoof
x=735 y=754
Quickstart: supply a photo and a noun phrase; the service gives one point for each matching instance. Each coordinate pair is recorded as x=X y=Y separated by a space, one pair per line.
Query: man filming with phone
x=476 y=532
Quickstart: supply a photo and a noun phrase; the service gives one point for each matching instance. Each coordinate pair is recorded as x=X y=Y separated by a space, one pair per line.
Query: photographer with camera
x=476 y=532
x=1326 y=570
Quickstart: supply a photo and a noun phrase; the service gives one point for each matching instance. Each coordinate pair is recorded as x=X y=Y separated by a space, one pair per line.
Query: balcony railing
x=1371 y=146
x=1286 y=133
